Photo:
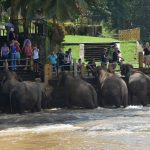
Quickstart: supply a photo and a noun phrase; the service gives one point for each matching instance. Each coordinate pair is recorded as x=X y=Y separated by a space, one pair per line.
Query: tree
x=140 y=17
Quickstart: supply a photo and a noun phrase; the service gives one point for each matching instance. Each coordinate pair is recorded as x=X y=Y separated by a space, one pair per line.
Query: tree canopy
x=117 y=14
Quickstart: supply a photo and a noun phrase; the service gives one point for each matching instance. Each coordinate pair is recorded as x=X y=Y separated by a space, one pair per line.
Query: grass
x=87 y=39
x=129 y=52
x=128 y=48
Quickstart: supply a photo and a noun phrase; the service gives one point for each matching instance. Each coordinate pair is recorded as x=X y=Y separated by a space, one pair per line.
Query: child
x=36 y=58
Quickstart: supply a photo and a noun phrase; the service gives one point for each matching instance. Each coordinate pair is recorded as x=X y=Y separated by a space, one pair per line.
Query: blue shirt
x=53 y=59
x=13 y=49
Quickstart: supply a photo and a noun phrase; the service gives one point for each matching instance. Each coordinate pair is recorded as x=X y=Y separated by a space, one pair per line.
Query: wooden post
x=47 y=73
x=141 y=58
x=31 y=64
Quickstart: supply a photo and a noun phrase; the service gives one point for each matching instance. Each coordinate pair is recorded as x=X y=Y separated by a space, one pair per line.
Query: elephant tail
x=94 y=96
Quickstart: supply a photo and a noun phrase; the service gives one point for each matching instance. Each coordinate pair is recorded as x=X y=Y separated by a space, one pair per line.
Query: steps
x=95 y=50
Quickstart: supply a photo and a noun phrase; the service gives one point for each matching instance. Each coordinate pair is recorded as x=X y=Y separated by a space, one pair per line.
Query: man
x=53 y=60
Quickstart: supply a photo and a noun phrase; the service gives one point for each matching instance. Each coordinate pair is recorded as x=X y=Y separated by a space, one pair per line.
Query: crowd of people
x=17 y=54
x=110 y=57
x=61 y=60
x=13 y=51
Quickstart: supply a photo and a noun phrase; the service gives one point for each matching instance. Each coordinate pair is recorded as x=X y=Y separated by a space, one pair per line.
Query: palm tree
x=59 y=10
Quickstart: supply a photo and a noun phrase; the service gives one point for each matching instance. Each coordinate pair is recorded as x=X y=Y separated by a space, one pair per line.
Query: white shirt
x=36 y=53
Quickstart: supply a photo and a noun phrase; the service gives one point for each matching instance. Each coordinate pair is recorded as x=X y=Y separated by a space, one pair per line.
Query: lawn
x=87 y=39
x=128 y=48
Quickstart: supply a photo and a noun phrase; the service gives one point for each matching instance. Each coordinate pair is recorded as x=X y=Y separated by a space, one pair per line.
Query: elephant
x=77 y=92
x=138 y=85
x=25 y=96
x=8 y=81
x=20 y=95
x=112 y=90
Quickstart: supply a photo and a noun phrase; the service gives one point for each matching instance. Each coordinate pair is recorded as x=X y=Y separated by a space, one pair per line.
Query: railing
x=17 y=66
x=72 y=68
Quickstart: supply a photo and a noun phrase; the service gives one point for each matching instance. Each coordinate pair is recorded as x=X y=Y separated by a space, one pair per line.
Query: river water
x=79 y=129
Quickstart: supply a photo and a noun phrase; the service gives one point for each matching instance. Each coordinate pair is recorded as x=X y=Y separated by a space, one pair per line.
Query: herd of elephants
x=110 y=90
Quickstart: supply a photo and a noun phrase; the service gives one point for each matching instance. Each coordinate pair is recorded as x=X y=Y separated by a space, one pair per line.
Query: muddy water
x=59 y=129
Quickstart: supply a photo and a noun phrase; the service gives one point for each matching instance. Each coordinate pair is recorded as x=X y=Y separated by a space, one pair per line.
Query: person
x=91 y=66
x=4 y=55
x=60 y=59
x=79 y=66
x=70 y=55
x=67 y=61
x=35 y=59
x=104 y=58
x=27 y=49
x=11 y=35
x=115 y=58
x=53 y=60
x=17 y=44
x=146 y=51
x=13 y=55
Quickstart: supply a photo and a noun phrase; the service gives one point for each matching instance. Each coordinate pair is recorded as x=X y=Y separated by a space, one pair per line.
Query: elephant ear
x=5 y=77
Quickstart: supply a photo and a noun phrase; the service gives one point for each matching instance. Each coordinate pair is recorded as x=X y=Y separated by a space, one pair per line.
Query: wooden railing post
x=141 y=59
x=31 y=64
x=47 y=73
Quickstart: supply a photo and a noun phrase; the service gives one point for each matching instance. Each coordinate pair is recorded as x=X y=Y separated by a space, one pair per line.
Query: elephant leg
x=117 y=104
x=68 y=101
x=125 y=101
x=144 y=100
x=130 y=97
x=102 y=102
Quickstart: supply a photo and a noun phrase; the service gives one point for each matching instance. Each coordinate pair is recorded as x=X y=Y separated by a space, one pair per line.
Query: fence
x=130 y=34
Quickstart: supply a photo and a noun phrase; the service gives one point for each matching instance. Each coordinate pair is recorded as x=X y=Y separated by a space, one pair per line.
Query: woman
x=4 y=55
x=27 y=48
x=146 y=51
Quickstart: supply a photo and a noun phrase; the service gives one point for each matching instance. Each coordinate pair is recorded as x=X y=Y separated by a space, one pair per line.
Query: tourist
x=53 y=61
x=4 y=55
x=17 y=44
x=79 y=65
x=11 y=35
x=60 y=59
x=91 y=66
x=35 y=59
x=27 y=49
x=146 y=51
x=67 y=61
x=13 y=55
x=104 y=59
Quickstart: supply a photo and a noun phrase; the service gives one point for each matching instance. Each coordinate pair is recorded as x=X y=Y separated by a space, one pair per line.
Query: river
x=78 y=129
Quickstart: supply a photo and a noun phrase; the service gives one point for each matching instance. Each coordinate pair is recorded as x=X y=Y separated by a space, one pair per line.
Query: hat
x=11 y=29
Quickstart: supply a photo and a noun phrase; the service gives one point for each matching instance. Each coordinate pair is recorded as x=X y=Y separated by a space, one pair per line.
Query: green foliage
x=55 y=34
